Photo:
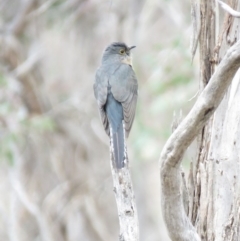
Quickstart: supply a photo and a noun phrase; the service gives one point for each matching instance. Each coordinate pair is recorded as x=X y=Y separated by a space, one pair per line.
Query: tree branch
x=20 y=21
x=178 y=224
x=228 y=9
x=127 y=211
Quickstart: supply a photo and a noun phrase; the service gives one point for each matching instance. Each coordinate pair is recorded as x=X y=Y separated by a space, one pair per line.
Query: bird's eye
x=122 y=51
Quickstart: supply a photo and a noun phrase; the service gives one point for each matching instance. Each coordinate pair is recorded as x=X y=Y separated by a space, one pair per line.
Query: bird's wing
x=124 y=88
x=100 y=92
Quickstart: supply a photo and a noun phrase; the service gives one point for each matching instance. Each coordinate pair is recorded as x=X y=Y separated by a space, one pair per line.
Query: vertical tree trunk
x=213 y=212
x=215 y=190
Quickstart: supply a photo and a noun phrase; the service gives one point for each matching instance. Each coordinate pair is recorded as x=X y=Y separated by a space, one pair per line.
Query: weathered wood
x=177 y=222
x=125 y=199
x=214 y=192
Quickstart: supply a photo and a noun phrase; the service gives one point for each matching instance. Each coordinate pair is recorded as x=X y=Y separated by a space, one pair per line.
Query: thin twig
x=27 y=66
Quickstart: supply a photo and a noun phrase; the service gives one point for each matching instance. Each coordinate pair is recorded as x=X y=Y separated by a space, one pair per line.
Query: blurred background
x=55 y=177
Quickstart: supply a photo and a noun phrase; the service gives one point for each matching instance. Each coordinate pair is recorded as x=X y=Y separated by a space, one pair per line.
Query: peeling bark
x=213 y=183
x=178 y=224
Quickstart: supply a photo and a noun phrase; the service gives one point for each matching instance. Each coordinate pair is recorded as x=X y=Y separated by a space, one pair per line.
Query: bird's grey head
x=117 y=52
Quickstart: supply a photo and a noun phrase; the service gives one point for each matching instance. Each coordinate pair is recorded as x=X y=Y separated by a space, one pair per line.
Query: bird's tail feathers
x=118 y=146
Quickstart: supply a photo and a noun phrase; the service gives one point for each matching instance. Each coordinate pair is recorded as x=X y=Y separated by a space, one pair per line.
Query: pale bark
x=213 y=181
x=125 y=199
x=199 y=188
x=229 y=9
x=215 y=193
x=177 y=222
x=224 y=155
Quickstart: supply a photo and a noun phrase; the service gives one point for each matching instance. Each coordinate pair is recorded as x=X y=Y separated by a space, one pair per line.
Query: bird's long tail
x=118 y=146
x=114 y=111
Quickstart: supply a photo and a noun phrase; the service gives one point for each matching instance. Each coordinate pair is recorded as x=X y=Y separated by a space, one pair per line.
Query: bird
x=116 y=92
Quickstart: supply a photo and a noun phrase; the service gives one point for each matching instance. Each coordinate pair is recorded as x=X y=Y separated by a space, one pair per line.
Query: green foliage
x=7 y=143
x=5 y=108
x=13 y=138
x=40 y=123
x=3 y=81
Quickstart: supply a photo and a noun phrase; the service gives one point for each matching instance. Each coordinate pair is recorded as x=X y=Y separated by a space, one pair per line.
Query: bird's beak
x=132 y=47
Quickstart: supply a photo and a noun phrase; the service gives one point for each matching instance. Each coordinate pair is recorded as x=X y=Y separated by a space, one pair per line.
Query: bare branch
x=127 y=211
x=27 y=66
x=42 y=9
x=178 y=224
x=228 y=9
x=196 y=26
x=20 y=21
x=185 y=195
x=32 y=208
x=94 y=217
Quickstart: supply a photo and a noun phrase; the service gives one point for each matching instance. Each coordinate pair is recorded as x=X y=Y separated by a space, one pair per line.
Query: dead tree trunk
x=214 y=184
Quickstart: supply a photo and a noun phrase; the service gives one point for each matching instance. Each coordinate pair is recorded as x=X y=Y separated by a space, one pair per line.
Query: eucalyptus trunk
x=215 y=193
x=207 y=208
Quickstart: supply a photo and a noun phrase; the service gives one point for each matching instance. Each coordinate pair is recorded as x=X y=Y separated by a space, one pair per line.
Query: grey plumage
x=115 y=89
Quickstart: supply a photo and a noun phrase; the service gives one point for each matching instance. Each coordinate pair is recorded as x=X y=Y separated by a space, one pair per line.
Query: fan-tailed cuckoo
x=116 y=91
